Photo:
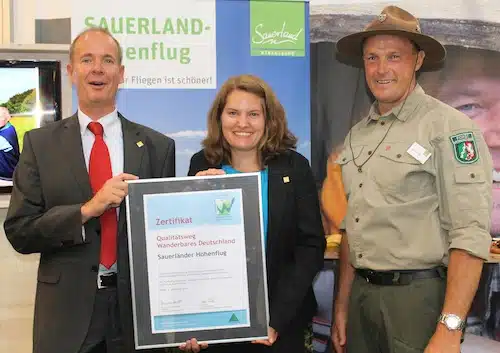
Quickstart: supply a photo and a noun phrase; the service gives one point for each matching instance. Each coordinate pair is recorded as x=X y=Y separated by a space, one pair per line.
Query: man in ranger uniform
x=418 y=215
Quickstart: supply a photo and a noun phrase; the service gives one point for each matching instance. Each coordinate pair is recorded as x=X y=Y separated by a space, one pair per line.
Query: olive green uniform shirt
x=404 y=213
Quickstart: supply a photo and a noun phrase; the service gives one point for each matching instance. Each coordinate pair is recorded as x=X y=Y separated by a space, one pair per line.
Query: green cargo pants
x=393 y=319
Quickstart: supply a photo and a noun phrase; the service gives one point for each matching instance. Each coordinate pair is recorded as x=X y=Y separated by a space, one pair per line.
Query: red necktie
x=99 y=173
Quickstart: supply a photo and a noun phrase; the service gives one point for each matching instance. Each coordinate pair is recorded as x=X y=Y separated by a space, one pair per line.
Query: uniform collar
x=411 y=103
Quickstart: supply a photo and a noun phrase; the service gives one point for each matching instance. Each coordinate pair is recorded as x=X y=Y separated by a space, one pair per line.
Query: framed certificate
x=197 y=260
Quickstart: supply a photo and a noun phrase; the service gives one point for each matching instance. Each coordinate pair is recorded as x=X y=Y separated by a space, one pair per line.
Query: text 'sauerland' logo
x=223 y=207
x=275 y=37
x=277 y=28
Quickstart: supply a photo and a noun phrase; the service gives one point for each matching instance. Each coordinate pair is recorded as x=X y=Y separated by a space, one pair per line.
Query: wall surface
x=17 y=291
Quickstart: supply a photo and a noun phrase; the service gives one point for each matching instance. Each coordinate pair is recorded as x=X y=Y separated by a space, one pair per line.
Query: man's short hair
x=96 y=29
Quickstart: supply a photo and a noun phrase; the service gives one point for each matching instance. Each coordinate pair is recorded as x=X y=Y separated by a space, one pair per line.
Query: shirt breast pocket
x=348 y=155
x=345 y=160
x=400 y=172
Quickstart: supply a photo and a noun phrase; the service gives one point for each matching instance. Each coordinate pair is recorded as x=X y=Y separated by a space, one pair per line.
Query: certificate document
x=196 y=260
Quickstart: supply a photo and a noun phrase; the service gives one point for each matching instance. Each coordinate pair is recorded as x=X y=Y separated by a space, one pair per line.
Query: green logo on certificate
x=223 y=207
x=277 y=28
x=464 y=147
x=233 y=318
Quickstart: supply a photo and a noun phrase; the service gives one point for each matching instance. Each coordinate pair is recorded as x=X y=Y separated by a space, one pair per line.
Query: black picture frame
x=249 y=184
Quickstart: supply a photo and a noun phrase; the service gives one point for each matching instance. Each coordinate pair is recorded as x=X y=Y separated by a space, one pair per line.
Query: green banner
x=277 y=28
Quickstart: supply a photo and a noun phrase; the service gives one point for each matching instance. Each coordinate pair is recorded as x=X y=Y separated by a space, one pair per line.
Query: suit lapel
x=134 y=148
x=72 y=141
x=277 y=196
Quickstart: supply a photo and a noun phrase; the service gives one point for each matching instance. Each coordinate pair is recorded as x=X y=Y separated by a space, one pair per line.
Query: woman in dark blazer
x=247 y=132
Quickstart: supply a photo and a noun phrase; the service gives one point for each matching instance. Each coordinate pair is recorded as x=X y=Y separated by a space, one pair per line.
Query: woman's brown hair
x=276 y=139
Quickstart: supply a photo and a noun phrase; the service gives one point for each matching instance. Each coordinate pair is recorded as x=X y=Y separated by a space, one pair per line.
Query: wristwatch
x=452 y=322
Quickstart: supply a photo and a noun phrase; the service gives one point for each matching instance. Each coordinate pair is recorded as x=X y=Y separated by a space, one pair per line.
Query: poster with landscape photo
x=18 y=114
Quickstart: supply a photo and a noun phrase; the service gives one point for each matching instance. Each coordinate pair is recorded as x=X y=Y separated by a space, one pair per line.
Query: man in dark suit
x=66 y=204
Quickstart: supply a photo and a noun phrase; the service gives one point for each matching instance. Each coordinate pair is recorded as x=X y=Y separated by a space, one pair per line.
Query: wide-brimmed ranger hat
x=395 y=21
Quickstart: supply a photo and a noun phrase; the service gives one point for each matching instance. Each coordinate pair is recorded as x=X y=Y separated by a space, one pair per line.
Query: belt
x=394 y=278
x=106 y=280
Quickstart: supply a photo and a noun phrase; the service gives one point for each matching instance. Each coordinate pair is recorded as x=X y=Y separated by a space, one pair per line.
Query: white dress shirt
x=113 y=137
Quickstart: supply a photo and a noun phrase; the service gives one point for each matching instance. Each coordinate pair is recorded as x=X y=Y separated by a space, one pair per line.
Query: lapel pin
x=139 y=144
x=286 y=179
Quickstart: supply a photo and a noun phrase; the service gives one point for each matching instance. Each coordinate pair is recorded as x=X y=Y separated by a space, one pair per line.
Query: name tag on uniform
x=418 y=152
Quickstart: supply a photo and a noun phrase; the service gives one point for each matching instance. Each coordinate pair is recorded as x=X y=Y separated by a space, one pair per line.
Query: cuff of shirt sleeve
x=342 y=225
x=476 y=241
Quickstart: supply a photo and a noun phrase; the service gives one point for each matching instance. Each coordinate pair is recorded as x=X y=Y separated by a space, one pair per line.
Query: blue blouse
x=264 y=189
